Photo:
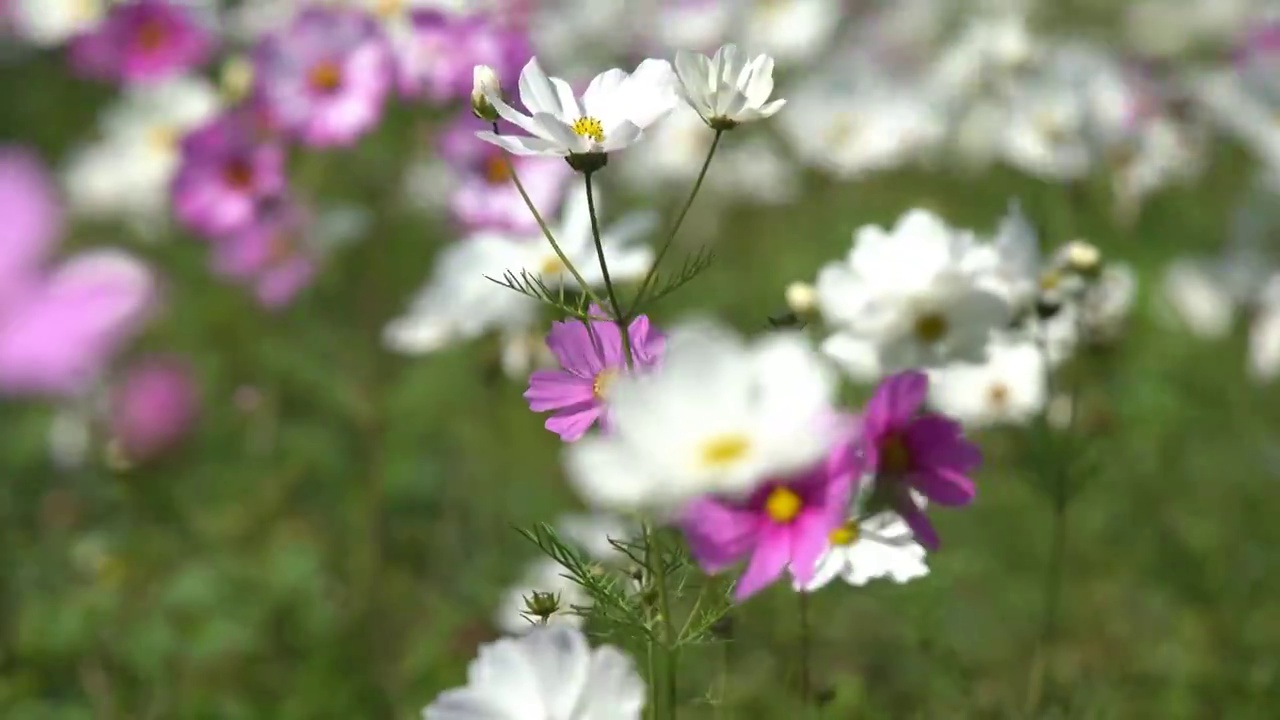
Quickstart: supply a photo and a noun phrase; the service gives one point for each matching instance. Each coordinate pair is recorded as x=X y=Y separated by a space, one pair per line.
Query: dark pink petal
x=944 y=486
x=719 y=534
x=938 y=441
x=575 y=349
x=647 y=344
x=810 y=535
x=572 y=423
x=553 y=389
x=895 y=402
x=920 y=526
x=772 y=555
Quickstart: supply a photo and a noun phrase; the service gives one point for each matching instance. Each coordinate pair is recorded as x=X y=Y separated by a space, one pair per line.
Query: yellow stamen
x=325 y=77
x=846 y=534
x=783 y=505
x=931 y=327
x=552 y=265
x=605 y=378
x=724 y=450
x=163 y=138
x=588 y=127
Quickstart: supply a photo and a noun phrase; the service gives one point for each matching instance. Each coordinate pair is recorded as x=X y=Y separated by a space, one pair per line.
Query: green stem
x=806 y=678
x=656 y=566
x=542 y=224
x=675 y=228
x=615 y=306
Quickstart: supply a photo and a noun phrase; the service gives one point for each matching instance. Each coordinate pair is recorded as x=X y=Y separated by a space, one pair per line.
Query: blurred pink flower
x=272 y=254
x=58 y=327
x=142 y=41
x=783 y=524
x=436 y=58
x=577 y=393
x=228 y=167
x=153 y=407
x=913 y=453
x=324 y=79
x=485 y=196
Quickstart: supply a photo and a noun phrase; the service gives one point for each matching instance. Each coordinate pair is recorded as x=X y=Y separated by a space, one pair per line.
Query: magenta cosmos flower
x=590 y=359
x=784 y=524
x=273 y=254
x=59 y=327
x=228 y=167
x=324 y=79
x=916 y=455
x=439 y=53
x=143 y=41
x=153 y=406
x=485 y=197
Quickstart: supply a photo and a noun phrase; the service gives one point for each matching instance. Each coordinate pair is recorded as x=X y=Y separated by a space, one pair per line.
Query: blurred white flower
x=720 y=415
x=1161 y=152
x=691 y=24
x=610 y=115
x=1264 y=334
x=1009 y=388
x=550 y=673
x=594 y=533
x=1046 y=131
x=460 y=302
x=988 y=50
x=543 y=576
x=52 y=22
x=727 y=89
x=126 y=174
x=917 y=292
x=792 y=31
x=1011 y=262
x=880 y=546
x=1200 y=299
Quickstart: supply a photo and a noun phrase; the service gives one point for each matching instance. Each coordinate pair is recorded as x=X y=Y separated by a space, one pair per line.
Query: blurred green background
x=336 y=548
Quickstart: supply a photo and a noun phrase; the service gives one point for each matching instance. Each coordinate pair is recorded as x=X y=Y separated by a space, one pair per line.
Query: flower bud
x=483 y=85
x=542 y=605
x=1082 y=258
x=801 y=298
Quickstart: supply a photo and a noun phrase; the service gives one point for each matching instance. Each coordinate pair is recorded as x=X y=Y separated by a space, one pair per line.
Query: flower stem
x=615 y=307
x=675 y=228
x=542 y=224
x=806 y=679
x=658 y=570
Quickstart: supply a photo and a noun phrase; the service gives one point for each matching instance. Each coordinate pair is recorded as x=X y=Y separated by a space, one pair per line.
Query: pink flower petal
x=772 y=554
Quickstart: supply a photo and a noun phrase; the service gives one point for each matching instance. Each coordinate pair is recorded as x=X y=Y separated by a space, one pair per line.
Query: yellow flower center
x=846 y=534
x=604 y=379
x=894 y=455
x=325 y=77
x=1050 y=280
x=783 y=505
x=588 y=127
x=552 y=265
x=998 y=396
x=931 y=327
x=388 y=8
x=724 y=450
x=163 y=138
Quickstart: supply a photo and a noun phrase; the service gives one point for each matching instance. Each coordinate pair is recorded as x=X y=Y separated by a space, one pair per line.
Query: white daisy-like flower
x=1264 y=334
x=728 y=89
x=719 y=416
x=543 y=576
x=917 y=293
x=1011 y=263
x=551 y=673
x=1009 y=388
x=51 y=22
x=793 y=31
x=881 y=546
x=1046 y=131
x=460 y=302
x=610 y=115
x=127 y=173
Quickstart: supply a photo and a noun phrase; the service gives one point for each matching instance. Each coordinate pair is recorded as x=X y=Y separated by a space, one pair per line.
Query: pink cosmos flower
x=437 y=56
x=324 y=79
x=914 y=453
x=485 y=198
x=228 y=168
x=590 y=359
x=142 y=41
x=58 y=327
x=783 y=524
x=153 y=407
x=273 y=254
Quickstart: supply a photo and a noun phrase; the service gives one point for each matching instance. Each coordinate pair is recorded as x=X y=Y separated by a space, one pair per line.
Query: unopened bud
x=802 y=298
x=484 y=85
x=541 y=605
x=1082 y=258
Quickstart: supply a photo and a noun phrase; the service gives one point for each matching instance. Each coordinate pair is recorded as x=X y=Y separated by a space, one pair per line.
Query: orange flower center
x=152 y=35
x=325 y=77
x=496 y=170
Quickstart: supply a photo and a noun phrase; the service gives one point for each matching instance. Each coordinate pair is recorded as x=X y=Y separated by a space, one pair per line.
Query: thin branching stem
x=615 y=307
x=675 y=228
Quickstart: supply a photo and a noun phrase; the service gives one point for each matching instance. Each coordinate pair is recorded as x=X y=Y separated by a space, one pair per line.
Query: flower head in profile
x=59 y=326
x=719 y=416
x=324 y=78
x=142 y=42
x=782 y=524
x=859 y=551
x=727 y=89
x=591 y=356
x=549 y=673
x=915 y=456
x=610 y=115
x=228 y=168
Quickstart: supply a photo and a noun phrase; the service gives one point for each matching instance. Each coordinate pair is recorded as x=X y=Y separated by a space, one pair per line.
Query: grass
x=336 y=551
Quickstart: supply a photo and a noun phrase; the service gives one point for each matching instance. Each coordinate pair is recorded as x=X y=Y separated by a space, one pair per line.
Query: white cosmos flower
x=52 y=22
x=919 y=293
x=460 y=302
x=126 y=174
x=610 y=115
x=1009 y=388
x=881 y=546
x=727 y=89
x=550 y=673
x=1199 y=298
x=543 y=576
x=1264 y=334
x=719 y=416
x=793 y=31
